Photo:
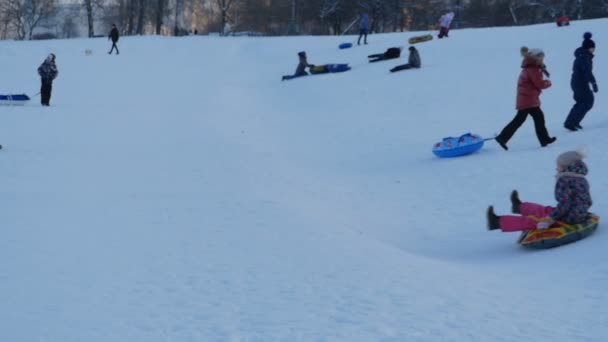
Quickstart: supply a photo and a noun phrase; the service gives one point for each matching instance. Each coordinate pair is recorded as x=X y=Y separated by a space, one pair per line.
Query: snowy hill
x=181 y=192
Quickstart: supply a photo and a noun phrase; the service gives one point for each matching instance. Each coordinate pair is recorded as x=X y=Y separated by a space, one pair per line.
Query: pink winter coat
x=530 y=84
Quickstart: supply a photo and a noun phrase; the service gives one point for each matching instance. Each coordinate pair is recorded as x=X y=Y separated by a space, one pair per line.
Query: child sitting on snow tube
x=571 y=192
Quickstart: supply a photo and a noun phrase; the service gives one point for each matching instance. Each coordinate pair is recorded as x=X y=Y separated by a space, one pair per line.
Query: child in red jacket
x=529 y=87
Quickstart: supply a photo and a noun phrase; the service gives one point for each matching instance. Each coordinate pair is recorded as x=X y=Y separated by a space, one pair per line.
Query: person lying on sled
x=390 y=53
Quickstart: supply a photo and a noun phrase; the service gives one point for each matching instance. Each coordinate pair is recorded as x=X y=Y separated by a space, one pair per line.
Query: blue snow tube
x=345 y=45
x=337 y=67
x=458 y=146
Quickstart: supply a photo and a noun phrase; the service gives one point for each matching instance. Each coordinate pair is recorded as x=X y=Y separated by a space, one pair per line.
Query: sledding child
x=413 y=61
x=529 y=87
x=444 y=22
x=571 y=192
x=48 y=72
x=301 y=69
x=390 y=53
x=582 y=78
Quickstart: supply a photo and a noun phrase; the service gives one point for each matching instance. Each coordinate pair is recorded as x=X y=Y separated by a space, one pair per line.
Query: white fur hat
x=569 y=158
x=536 y=52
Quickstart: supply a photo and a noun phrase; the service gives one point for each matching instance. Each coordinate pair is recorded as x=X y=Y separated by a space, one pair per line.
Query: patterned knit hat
x=568 y=158
x=536 y=53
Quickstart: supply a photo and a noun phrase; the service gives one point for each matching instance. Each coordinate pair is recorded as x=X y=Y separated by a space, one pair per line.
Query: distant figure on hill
x=114 y=37
x=48 y=72
x=413 y=61
x=529 y=86
x=390 y=53
x=363 y=28
x=301 y=69
x=444 y=24
x=582 y=78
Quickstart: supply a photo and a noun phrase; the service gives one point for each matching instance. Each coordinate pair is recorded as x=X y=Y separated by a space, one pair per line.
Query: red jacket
x=530 y=85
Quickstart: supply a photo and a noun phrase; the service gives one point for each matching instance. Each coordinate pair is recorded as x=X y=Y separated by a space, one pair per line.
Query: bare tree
x=25 y=15
x=90 y=6
x=225 y=6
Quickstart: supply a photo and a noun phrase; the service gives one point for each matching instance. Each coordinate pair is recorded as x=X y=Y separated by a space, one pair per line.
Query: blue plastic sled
x=458 y=146
x=14 y=99
x=323 y=69
x=345 y=45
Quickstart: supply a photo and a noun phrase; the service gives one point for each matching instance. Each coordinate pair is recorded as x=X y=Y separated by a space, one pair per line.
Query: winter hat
x=536 y=53
x=51 y=57
x=302 y=53
x=568 y=158
x=411 y=48
x=587 y=42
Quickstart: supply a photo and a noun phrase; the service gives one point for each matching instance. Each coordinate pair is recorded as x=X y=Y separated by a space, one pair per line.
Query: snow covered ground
x=181 y=192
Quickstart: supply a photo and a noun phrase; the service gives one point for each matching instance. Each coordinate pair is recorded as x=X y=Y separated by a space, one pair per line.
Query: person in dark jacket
x=413 y=61
x=48 y=72
x=582 y=77
x=529 y=88
x=390 y=53
x=301 y=69
x=363 y=28
x=571 y=193
x=114 y=36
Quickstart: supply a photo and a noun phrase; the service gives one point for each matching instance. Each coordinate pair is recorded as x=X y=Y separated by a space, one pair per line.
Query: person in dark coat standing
x=114 y=36
x=529 y=87
x=363 y=28
x=413 y=61
x=48 y=72
x=582 y=77
x=301 y=68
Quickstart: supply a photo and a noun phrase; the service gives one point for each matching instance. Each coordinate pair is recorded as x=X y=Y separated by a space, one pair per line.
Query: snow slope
x=182 y=192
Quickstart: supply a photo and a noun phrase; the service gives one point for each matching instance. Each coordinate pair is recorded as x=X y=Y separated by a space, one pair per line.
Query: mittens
x=594 y=85
x=544 y=224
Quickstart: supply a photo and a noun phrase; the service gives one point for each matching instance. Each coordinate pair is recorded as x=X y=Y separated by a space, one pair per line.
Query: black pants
x=45 y=93
x=401 y=67
x=519 y=119
x=114 y=47
x=362 y=32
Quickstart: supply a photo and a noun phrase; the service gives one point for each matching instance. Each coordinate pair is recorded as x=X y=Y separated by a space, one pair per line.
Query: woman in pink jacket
x=529 y=87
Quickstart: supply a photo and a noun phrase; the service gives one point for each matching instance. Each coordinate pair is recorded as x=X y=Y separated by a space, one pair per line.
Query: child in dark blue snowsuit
x=582 y=77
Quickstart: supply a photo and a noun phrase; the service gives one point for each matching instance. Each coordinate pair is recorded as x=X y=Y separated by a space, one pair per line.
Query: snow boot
x=515 y=202
x=493 y=220
x=548 y=142
x=502 y=143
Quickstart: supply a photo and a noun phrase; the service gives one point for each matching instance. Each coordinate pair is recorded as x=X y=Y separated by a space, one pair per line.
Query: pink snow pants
x=531 y=214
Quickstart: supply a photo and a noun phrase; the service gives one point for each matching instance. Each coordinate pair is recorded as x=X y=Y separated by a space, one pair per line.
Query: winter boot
x=549 y=141
x=502 y=143
x=515 y=202
x=493 y=220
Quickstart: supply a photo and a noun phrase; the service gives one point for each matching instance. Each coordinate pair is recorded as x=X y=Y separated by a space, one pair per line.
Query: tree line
x=21 y=19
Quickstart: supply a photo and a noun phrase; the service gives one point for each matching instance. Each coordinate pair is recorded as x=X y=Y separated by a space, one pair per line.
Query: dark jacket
x=392 y=52
x=114 y=35
x=582 y=70
x=301 y=69
x=572 y=194
x=530 y=84
x=48 y=71
x=414 y=58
